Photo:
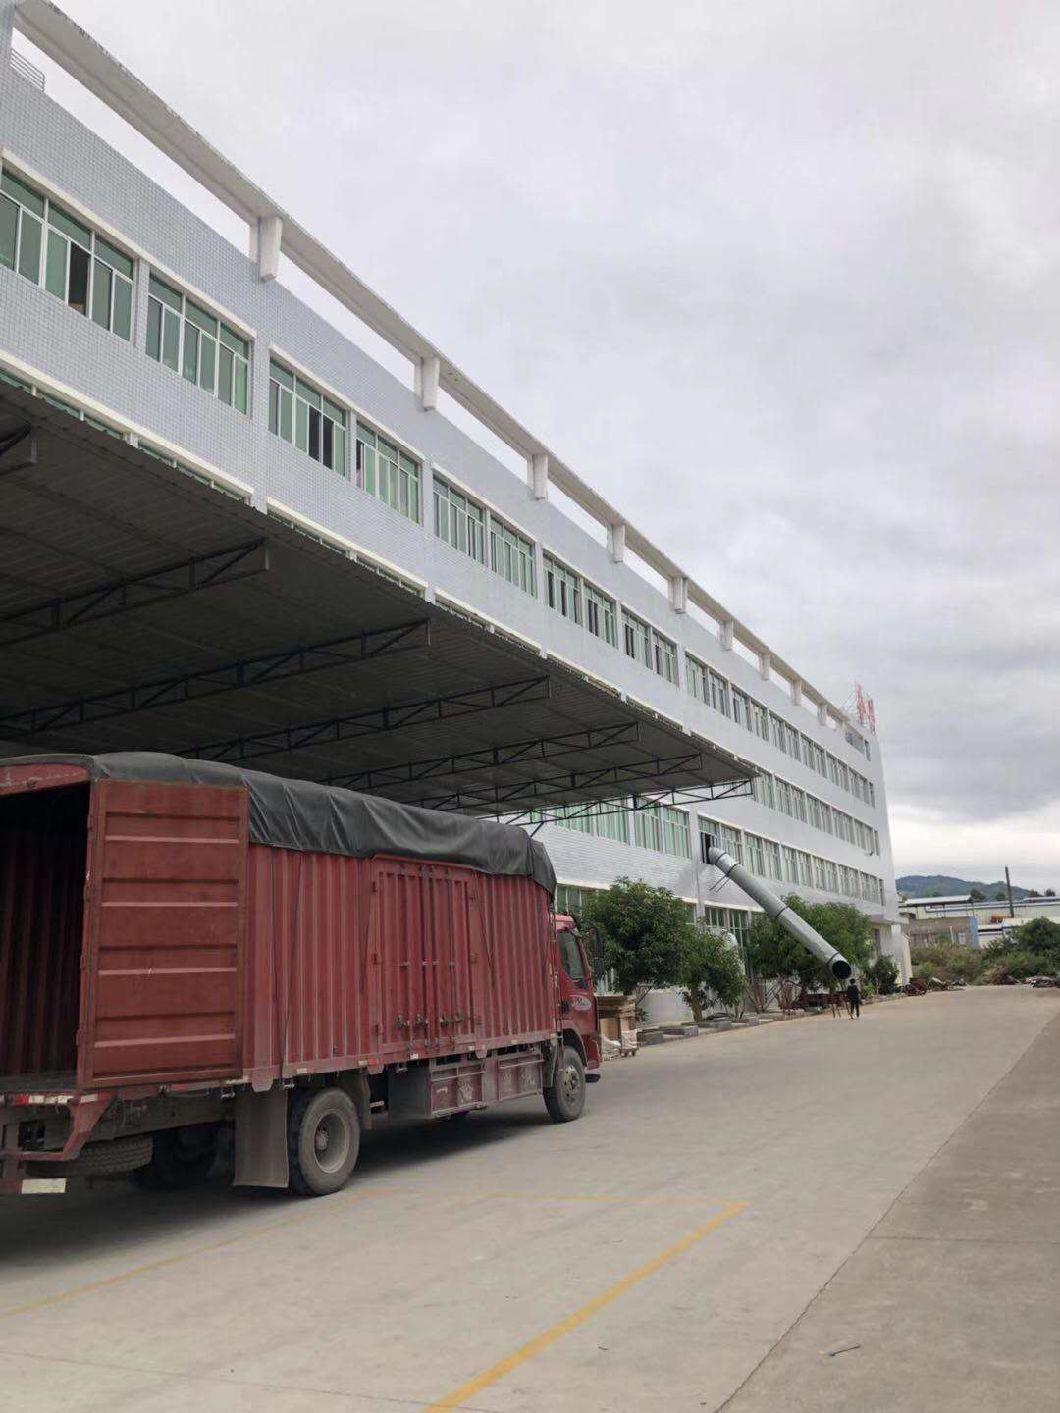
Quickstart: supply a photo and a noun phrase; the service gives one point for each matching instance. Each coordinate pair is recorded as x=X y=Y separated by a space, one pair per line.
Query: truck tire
x=115 y=1157
x=182 y=1158
x=323 y=1140
x=565 y=1096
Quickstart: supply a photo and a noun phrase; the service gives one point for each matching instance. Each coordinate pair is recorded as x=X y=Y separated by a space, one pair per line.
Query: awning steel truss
x=491 y=758
x=373 y=722
x=229 y=677
x=122 y=596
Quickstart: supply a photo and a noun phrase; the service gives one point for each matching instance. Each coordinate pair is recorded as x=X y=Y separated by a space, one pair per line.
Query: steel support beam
x=542 y=748
x=597 y=809
x=174 y=581
x=373 y=722
x=229 y=677
x=522 y=795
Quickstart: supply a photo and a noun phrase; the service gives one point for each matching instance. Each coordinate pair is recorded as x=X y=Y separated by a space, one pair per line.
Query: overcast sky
x=782 y=280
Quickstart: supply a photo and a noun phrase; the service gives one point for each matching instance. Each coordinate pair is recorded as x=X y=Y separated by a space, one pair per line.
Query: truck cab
x=577 y=999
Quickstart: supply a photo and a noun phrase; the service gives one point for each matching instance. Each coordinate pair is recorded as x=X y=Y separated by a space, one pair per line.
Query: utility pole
x=1008 y=885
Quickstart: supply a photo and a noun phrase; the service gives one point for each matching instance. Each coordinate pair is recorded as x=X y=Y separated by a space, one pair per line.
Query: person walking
x=854 y=999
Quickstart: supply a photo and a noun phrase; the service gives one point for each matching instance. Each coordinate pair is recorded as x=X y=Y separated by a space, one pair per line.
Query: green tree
x=645 y=931
x=1041 y=938
x=999 y=896
x=977 y=896
x=711 y=969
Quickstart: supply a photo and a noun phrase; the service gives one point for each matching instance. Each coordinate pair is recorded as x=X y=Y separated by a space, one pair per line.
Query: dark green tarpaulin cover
x=312 y=818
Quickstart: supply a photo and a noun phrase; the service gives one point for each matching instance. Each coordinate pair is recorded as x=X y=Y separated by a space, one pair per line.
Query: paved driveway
x=675 y=1249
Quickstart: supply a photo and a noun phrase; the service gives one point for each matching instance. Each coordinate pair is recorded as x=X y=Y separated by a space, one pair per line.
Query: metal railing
x=26 y=70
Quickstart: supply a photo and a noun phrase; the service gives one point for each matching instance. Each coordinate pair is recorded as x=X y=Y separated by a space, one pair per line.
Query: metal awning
x=144 y=608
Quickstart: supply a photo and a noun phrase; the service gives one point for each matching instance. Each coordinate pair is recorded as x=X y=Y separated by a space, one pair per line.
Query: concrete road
x=729 y=1212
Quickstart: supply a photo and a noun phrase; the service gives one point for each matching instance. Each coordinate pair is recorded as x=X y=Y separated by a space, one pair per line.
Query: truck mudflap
x=84 y=1112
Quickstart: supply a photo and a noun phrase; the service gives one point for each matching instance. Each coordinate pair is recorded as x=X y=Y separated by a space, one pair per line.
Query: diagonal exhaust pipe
x=779 y=911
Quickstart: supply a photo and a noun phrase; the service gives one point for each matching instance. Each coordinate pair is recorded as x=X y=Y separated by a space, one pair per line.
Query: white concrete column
x=537 y=475
x=7 y=24
x=616 y=541
x=796 y=692
x=679 y=593
x=428 y=372
x=765 y=662
x=264 y=238
x=822 y=714
x=727 y=634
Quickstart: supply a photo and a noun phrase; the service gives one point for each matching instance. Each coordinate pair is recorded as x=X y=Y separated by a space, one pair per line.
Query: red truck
x=187 y=948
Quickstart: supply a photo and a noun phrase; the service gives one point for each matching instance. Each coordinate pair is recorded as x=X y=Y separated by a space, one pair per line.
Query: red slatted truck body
x=168 y=970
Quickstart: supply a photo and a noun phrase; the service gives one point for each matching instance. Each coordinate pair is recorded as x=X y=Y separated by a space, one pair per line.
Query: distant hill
x=925 y=885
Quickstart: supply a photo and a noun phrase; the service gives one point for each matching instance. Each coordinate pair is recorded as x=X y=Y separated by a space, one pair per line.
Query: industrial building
x=221 y=519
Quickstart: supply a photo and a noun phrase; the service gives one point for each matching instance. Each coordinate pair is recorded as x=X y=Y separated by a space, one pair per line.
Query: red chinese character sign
x=866 y=709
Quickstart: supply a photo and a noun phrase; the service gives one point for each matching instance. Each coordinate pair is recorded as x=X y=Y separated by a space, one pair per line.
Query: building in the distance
x=123 y=309
x=969 y=922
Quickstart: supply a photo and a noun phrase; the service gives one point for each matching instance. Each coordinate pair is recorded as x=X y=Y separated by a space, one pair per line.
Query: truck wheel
x=182 y=1158
x=565 y=1096
x=323 y=1139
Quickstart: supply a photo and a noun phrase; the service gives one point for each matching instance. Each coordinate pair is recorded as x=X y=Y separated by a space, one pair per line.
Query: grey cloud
x=797 y=265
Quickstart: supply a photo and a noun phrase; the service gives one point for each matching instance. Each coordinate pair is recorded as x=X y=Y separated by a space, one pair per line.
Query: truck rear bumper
x=31 y=1186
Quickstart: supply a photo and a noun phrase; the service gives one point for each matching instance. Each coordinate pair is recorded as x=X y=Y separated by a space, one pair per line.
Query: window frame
x=57 y=229
x=170 y=310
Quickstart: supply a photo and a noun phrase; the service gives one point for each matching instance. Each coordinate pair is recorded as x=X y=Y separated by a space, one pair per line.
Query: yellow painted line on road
x=148 y=1267
x=549 y=1337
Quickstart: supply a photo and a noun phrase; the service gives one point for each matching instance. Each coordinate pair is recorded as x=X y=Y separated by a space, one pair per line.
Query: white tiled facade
x=52 y=347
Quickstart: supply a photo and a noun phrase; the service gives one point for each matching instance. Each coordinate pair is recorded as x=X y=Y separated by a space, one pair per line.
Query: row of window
x=712 y=689
x=796 y=803
x=475 y=531
x=50 y=247
x=579 y=601
x=658 y=827
x=666 y=830
x=784 y=864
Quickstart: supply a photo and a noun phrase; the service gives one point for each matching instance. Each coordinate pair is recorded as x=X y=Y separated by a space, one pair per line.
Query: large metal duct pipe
x=779 y=911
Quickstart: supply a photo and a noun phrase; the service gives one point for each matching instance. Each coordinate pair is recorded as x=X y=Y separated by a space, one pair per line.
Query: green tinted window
x=122 y=324
x=191 y=353
x=8 y=232
x=29 y=251
x=165 y=294
x=101 y=287
x=115 y=258
x=310 y=394
x=55 y=265
x=200 y=318
x=154 y=331
x=224 y=374
x=58 y=218
x=234 y=342
x=281 y=375
x=170 y=339
x=207 y=363
x=22 y=193
x=241 y=385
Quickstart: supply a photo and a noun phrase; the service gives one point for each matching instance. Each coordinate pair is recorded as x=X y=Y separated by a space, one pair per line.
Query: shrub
x=711 y=969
